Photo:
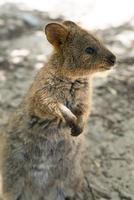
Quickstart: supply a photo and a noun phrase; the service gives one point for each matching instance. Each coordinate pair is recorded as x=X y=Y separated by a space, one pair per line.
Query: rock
x=31 y=20
x=14 y=20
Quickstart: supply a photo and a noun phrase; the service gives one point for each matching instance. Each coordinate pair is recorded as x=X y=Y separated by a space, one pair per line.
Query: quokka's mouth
x=108 y=66
x=105 y=68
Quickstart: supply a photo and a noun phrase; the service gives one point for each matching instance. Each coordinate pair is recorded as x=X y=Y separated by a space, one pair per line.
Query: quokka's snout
x=111 y=59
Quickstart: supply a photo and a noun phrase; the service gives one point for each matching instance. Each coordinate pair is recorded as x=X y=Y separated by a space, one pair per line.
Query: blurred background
x=110 y=131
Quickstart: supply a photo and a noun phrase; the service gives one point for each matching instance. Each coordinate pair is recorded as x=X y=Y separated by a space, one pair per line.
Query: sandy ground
x=110 y=131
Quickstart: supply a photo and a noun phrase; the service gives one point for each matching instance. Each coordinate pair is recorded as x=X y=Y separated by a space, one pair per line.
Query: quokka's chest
x=69 y=92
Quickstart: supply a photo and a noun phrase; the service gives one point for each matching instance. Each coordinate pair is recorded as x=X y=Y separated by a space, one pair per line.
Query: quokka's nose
x=111 y=59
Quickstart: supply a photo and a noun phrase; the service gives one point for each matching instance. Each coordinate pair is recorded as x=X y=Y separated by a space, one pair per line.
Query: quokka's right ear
x=56 y=33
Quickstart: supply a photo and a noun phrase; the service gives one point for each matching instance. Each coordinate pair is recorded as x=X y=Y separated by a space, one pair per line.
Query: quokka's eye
x=90 y=50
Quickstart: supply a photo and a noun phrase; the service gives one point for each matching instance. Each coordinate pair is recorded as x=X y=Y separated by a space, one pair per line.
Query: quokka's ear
x=56 y=33
x=70 y=24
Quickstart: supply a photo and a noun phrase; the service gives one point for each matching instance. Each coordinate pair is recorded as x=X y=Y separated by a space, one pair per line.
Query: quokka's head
x=79 y=51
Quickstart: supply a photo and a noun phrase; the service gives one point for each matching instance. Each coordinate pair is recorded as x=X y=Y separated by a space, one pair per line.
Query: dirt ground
x=110 y=131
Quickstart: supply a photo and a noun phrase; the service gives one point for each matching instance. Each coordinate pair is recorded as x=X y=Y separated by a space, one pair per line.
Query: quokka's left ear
x=70 y=24
x=56 y=33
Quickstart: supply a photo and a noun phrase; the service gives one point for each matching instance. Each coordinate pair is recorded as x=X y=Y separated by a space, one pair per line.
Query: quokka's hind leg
x=20 y=197
x=24 y=195
x=12 y=193
x=28 y=195
x=60 y=195
x=12 y=178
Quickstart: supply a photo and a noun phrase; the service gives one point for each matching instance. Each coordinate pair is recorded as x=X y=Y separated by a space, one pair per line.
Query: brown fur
x=41 y=159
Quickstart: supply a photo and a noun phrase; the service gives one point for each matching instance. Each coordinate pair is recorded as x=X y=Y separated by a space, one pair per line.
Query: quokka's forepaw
x=76 y=130
x=71 y=120
x=67 y=114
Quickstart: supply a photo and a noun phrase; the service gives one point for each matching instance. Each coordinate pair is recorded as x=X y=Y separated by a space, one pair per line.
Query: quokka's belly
x=56 y=160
